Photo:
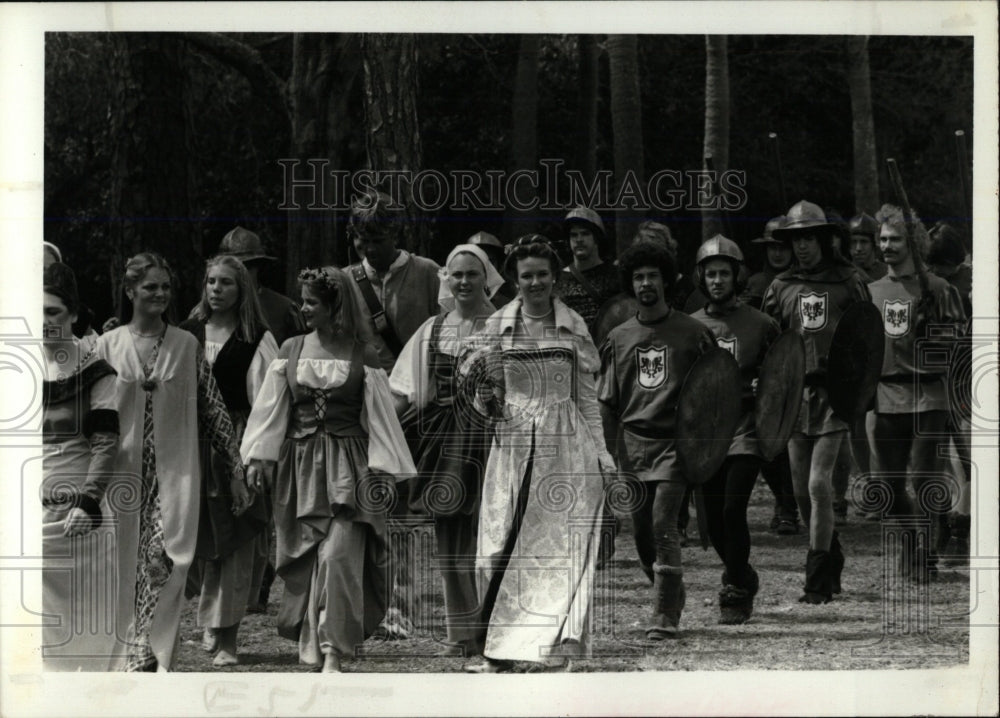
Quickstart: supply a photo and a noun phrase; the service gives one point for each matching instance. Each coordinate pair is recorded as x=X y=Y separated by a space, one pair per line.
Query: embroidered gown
x=451 y=442
x=80 y=441
x=543 y=491
x=331 y=427
x=164 y=405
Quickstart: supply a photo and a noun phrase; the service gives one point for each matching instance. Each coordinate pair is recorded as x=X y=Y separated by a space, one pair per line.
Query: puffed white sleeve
x=387 y=449
x=591 y=411
x=268 y=420
x=267 y=352
x=411 y=375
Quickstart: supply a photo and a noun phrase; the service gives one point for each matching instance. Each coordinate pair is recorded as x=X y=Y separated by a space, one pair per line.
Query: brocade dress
x=543 y=492
x=330 y=425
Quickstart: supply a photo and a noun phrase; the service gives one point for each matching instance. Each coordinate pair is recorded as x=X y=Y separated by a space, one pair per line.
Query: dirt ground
x=876 y=623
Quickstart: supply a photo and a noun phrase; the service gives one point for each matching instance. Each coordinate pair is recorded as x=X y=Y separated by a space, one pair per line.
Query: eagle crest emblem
x=728 y=344
x=896 y=317
x=652 y=366
x=813 y=311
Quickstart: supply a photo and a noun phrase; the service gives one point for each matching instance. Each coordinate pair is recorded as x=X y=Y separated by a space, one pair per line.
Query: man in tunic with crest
x=921 y=313
x=643 y=365
x=810 y=298
x=746 y=333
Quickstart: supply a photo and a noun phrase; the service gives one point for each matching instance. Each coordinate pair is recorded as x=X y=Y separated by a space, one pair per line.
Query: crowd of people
x=265 y=437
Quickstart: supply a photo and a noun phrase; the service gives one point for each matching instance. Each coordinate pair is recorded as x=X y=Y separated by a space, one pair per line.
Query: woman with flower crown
x=324 y=432
x=534 y=367
x=167 y=399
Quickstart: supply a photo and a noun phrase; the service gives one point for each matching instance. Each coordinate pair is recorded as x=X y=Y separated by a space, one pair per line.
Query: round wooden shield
x=854 y=364
x=613 y=312
x=780 y=380
x=708 y=412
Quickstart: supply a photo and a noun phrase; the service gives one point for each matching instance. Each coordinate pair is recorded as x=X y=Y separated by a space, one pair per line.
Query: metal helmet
x=485 y=239
x=802 y=216
x=718 y=246
x=772 y=224
x=865 y=225
x=244 y=245
x=584 y=215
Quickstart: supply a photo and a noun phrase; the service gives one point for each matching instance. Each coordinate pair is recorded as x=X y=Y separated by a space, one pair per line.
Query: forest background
x=166 y=141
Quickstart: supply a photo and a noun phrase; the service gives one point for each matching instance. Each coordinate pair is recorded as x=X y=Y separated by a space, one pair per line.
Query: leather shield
x=854 y=363
x=780 y=380
x=708 y=412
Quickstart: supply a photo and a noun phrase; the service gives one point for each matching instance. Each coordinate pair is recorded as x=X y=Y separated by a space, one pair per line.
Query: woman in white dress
x=167 y=400
x=543 y=491
x=230 y=326
x=80 y=441
x=325 y=418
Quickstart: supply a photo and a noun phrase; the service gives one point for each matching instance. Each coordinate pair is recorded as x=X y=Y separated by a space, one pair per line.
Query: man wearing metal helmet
x=588 y=281
x=746 y=333
x=643 y=364
x=777 y=258
x=864 y=235
x=280 y=312
x=776 y=473
x=497 y=253
x=911 y=401
x=810 y=298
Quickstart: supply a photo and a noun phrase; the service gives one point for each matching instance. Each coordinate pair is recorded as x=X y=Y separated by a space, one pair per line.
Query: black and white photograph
x=631 y=355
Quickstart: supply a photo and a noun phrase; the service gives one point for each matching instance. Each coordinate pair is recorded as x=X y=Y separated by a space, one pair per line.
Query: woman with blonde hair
x=324 y=418
x=167 y=399
x=230 y=327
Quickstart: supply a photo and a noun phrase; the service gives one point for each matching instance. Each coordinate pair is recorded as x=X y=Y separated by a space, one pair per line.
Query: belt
x=651 y=434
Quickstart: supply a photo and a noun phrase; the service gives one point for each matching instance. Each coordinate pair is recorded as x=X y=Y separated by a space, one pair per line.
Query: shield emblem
x=652 y=366
x=812 y=311
x=729 y=344
x=896 y=317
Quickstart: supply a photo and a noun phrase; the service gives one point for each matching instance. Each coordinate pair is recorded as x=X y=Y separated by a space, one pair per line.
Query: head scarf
x=493 y=279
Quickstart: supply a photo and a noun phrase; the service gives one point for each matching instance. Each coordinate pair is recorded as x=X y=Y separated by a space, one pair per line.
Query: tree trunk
x=716 y=125
x=865 y=158
x=524 y=139
x=152 y=182
x=392 y=140
x=586 y=142
x=626 y=123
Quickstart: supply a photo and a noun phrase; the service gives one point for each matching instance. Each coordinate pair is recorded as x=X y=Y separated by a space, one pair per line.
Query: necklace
x=146 y=336
x=539 y=316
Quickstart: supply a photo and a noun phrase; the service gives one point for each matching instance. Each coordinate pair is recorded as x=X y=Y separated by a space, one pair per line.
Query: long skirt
x=331 y=545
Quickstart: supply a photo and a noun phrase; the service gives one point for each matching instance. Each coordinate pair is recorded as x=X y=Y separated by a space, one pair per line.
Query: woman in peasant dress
x=230 y=326
x=543 y=491
x=80 y=441
x=325 y=416
x=449 y=438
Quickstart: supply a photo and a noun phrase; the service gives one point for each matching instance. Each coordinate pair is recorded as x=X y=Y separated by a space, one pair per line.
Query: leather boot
x=668 y=601
x=817 y=587
x=836 y=563
x=736 y=602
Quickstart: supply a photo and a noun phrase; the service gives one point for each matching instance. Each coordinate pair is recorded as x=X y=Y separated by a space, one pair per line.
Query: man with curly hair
x=643 y=365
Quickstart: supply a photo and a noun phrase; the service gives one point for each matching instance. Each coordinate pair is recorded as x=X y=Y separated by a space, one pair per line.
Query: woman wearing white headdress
x=451 y=440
